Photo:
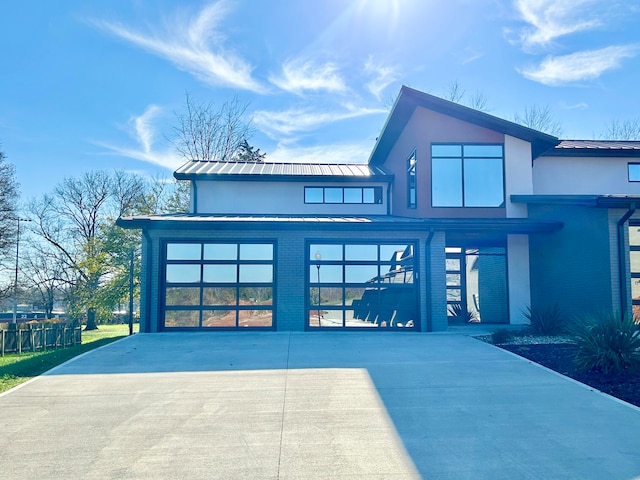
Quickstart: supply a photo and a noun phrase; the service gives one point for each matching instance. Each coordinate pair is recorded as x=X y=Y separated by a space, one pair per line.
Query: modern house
x=458 y=216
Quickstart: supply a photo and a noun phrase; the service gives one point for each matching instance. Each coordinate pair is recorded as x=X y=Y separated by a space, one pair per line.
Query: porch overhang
x=370 y=223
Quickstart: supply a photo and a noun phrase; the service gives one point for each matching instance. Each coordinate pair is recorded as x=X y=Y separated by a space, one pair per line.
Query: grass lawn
x=18 y=368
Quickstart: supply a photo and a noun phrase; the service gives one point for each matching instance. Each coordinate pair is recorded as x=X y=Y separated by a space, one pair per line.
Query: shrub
x=606 y=343
x=546 y=320
x=502 y=335
x=456 y=311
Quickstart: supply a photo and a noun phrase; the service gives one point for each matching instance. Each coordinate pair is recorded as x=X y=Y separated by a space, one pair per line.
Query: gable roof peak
x=409 y=99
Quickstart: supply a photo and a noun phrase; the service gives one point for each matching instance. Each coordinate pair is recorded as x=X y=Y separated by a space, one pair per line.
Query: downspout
x=147 y=296
x=427 y=252
x=622 y=250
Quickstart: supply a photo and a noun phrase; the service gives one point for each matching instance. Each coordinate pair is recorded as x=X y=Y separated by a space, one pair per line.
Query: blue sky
x=94 y=85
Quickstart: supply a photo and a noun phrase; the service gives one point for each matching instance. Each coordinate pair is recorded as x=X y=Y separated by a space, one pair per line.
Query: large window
x=218 y=285
x=362 y=285
x=634 y=172
x=467 y=175
x=343 y=195
x=411 y=181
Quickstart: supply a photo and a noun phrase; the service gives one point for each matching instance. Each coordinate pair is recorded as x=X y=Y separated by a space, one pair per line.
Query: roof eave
x=409 y=99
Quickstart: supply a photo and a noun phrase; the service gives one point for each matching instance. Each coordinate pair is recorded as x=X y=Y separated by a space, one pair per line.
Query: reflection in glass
x=220 y=274
x=353 y=195
x=327 y=252
x=220 y=251
x=256 y=296
x=183 y=273
x=483 y=151
x=326 y=274
x=369 y=196
x=183 y=251
x=256 y=251
x=446 y=150
x=395 y=253
x=361 y=252
x=453 y=264
x=218 y=318
x=635 y=260
x=634 y=235
x=313 y=195
x=360 y=273
x=256 y=273
x=483 y=182
x=454 y=295
x=183 y=296
x=181 y=318
x=219 y=296
x=635 y=288
x=255 y=318
x=329 y=296
x=446 y=181
x=332 y=195
x=453 y=279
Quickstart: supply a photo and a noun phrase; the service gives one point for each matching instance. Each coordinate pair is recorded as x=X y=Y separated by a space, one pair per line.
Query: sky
x=97 y=85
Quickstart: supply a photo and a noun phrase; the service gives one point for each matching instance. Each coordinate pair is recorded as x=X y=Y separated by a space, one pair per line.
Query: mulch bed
x=559 y=357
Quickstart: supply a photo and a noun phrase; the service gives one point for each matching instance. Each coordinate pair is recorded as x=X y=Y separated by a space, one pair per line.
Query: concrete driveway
x=316 y=405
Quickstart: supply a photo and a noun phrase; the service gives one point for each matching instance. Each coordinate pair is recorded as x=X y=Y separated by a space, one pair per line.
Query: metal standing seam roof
x=254 y=170
x=512 y=225
x=595 y=148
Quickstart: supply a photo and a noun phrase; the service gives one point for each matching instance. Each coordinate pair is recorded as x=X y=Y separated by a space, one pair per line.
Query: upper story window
x=467 y=175
x=411 y=181
x=634 y=172
x=359 y=195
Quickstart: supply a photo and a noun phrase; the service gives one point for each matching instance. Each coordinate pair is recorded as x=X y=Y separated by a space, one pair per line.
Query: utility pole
x=15 y=281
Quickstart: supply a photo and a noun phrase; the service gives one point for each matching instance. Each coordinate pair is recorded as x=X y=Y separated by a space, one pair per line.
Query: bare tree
x=205 y=132
x=539 y=118
x=455 y=93
x=622 y=130
x=75 y=221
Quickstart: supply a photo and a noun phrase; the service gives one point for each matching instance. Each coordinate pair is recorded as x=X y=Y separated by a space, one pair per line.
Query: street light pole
x=15 y=280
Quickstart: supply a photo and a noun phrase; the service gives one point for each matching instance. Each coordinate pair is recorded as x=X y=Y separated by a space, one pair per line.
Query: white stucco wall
x=518 y=174
x=519 y=277
x=583 y=176
x=282 y=198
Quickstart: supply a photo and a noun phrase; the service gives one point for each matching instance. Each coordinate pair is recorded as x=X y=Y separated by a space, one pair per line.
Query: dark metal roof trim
x=374 y=222
x=264 y=171
x=409 y=99
x=604 y=201
x=595 y=148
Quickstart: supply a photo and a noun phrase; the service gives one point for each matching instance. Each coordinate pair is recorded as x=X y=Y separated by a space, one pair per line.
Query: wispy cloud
x=194 y=45
x=142 y=131
x=292 y=121
x=550 y=19
x=336 y=153
x=579 y=66
x=383 y=75
x=299 y=75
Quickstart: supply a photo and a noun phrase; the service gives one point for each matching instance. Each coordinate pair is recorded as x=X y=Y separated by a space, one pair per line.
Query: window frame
x=629 y=165
x=201 y=308
x=464 y=159
x=346 y=264
x=378 y=198
x=412 y=180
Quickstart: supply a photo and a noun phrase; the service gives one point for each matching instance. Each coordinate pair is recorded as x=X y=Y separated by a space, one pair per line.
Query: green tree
x=76 y=220
x=247 y=153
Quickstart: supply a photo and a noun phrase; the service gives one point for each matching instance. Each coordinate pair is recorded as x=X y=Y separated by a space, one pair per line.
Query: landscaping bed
x=560 y=357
